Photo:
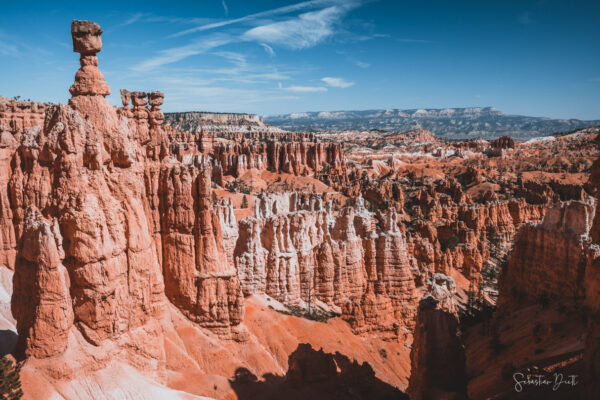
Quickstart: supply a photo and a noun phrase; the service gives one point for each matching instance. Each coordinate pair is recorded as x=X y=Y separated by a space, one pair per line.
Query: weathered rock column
x=126 y=100
x=198 y=278
x=42 y=304
x=87 y=42
x=155 y=99
x=437 y=356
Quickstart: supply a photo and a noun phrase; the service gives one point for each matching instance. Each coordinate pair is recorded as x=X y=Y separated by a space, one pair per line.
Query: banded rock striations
x=543 y=289
x=299 y=250
x=86 y=193
x=144 y=258
x=116 y=244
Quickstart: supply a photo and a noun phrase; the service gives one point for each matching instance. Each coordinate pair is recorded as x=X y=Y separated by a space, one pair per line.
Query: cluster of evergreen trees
x=10 y=382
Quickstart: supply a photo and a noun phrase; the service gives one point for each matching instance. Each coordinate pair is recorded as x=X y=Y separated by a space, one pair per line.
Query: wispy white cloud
x=337 y=82
x=303 y=31
x=366 y=37
x=7 y=49
x=236 y=58
x=268 y=49
x=353 y=60
x=306 y=5
x=224 y=4
x=405 y=40
x=141 y=17
x=303 y=89
x=242 y=80
x=175 y=54
x=134 y=18
x=9 y=45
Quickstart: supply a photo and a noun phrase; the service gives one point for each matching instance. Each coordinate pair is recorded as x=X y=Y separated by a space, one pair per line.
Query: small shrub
x=10 y=381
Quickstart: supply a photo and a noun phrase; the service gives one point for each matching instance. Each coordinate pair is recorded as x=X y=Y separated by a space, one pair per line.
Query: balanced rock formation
x=88 y=42
x=119 y=255
x=92 y=252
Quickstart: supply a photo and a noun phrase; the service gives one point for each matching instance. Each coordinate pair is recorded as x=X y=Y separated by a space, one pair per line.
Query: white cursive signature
x=555 y=381
x=559 y=379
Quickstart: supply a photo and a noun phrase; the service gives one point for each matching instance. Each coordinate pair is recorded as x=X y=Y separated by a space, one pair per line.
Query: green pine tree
x=244 y=202
x=10 y=382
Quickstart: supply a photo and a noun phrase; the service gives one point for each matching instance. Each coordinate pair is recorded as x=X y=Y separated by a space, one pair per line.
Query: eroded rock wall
x=101 y=218
x=549 y=260
x=437 y=355
x=347 y=260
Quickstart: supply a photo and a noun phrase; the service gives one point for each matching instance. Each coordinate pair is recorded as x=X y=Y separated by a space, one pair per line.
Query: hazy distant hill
x=196 y=121
x=448 y=122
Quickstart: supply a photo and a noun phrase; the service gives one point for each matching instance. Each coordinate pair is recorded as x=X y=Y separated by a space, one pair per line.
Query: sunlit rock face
x=87 y=41
x=123 y=241
x=102 y=219
x=550 y=260
x=296 y=250
x=198 y=278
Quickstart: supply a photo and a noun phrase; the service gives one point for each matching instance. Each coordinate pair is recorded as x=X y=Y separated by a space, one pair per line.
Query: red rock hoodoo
x=159 y=256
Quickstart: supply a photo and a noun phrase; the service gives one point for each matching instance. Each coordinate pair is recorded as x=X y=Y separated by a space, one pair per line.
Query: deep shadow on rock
x=437 y=356
x=8 y=340
x=315 y=375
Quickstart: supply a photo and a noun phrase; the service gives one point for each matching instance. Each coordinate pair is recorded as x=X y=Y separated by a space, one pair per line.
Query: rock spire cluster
x=133 y=246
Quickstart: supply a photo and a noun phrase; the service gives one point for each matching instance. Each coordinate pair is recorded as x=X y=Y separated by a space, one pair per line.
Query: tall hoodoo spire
x=87 y=41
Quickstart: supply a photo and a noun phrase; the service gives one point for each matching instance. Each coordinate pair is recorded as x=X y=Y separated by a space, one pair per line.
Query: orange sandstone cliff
x=128 y=278
x=141 y=260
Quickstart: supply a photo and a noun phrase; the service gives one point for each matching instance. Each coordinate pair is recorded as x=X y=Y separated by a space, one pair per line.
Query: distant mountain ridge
x=458 y=123
x=196 y=121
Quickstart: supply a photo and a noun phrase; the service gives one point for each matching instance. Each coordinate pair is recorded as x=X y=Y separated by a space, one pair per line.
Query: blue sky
x=537 y=58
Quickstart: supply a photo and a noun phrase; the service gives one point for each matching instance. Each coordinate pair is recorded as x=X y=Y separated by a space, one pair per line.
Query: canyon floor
x=215 y=256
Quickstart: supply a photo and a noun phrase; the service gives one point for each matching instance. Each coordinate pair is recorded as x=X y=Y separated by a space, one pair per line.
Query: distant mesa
x=215 y=122
x=451 y=123
x=159 y=255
